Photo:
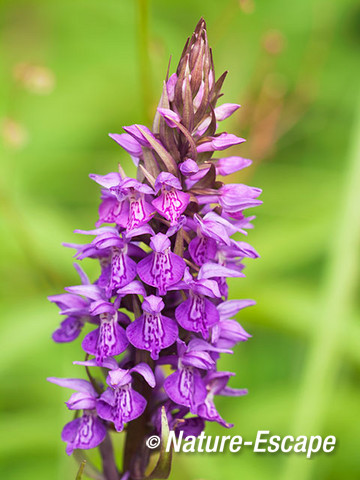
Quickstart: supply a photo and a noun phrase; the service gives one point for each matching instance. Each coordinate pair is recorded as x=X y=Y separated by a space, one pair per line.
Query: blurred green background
x=74 y=70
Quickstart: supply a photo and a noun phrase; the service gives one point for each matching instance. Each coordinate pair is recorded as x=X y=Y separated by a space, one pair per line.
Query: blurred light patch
x=35 y=78
x=14 y=135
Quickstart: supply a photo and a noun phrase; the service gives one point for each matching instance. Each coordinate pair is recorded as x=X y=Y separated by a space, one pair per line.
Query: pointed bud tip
x=201 y=25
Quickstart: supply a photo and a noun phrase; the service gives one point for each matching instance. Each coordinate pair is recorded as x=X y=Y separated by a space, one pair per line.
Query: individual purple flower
x=202 y=249
x=231 y=256
x=91 y=251
x=221 y=142
x=234 y=198
x=120 y=403
x=172 y=202
x=84 y=432
x=152 y=331
x=228 y=165
x=129 y=207
x=161 y=268
x=110 y=337
x=76 y=310
x=186 y=386
x=227 y=332
x=171 y=118
x=216 y=384
x=122 y=268
x=140 y=133
x=87 y=431
x=189 y=167
x=212 y=225
x=129 y=144
x=198 y=313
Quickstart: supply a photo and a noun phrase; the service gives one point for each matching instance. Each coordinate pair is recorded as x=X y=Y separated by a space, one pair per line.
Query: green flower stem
x=330 y=320
x=144 y=57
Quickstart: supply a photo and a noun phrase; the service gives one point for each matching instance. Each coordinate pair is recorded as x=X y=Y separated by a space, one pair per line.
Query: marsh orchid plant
x=158 y=316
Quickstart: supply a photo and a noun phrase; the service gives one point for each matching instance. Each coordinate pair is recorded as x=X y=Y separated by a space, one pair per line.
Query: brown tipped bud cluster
x=186 y=120
x=195 y=78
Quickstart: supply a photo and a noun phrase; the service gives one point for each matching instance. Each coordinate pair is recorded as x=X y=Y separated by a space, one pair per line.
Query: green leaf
x=163 y=466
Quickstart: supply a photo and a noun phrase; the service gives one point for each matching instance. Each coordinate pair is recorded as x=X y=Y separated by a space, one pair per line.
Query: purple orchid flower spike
x=161 y=294
x=152 y=331
x=161 y=268
x=87 y=431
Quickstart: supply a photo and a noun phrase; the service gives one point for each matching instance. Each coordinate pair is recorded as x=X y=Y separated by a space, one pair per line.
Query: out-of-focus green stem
x=81 y=470
x=144 y=57
x=226 y=15
x=321 y=369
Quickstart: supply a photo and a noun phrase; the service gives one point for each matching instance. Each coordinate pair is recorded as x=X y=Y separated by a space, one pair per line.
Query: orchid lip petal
x=84 y=432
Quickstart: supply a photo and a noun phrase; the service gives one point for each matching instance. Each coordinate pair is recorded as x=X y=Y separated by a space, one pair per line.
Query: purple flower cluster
x=161 y=297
